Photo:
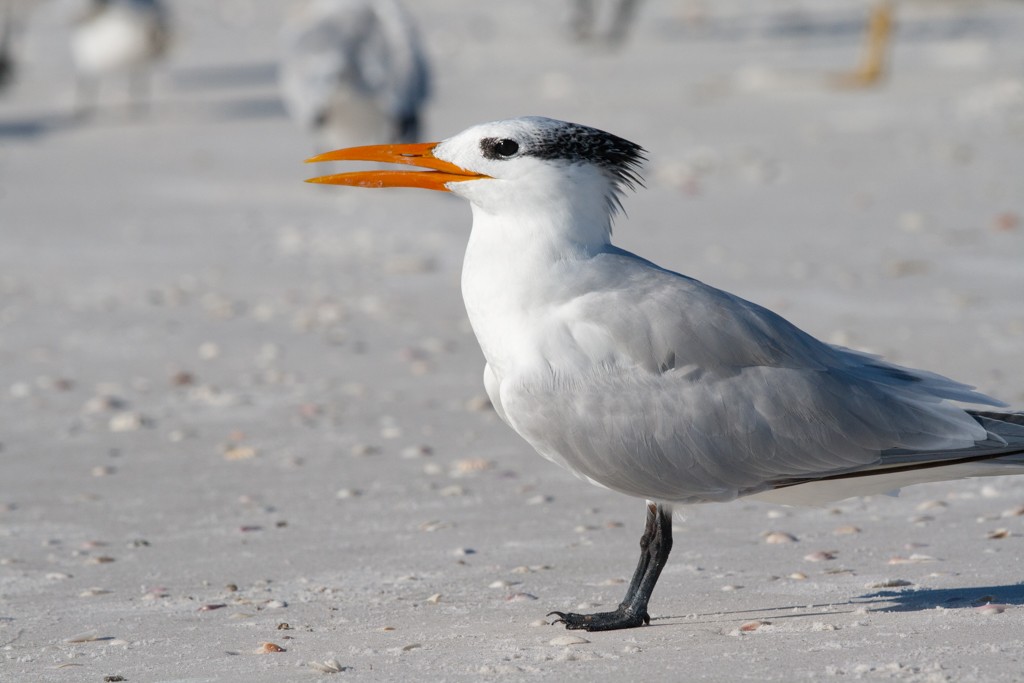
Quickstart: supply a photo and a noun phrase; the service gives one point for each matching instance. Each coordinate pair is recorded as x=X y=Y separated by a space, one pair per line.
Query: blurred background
x=199 y=350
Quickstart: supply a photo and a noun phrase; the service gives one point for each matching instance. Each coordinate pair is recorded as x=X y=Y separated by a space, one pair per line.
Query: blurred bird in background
x=355 y=71
x=115 y=37
x=6 y=37
x=583 y=19
x=13 y=15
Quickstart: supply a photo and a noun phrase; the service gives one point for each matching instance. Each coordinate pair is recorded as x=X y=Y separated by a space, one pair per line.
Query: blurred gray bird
x=354 y=70
x=116 y=37
x=583 y=20
x=6 y=38
x=13 y=15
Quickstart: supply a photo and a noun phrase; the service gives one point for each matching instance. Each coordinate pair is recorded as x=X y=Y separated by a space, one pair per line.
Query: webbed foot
x=602 y=621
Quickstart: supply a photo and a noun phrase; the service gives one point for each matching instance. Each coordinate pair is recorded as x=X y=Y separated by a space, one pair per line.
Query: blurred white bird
x=115 y=37
x=656 y=385
x=354 y=70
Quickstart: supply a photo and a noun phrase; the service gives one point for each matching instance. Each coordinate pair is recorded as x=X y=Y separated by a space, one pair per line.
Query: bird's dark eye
x=499 y=148
x=506 y=148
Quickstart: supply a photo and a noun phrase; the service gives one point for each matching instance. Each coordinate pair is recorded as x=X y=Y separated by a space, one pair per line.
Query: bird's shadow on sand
x=906 y=600
x=947 y=598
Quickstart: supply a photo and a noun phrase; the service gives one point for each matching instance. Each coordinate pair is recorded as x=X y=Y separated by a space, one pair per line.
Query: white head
x=520 y=168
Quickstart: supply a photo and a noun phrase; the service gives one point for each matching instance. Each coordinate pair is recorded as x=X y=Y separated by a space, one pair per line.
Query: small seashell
x=275 y=604
x=820 y=556
x=775 y=537
x=989 y=491
x=467 y=465
x=753 y=625
x=209 y=350
x=932 y=505
x=846 y=530
x=267 y=648
x=91 y=592
x=330 y=666
x=103 y=404
x=1013 y=512
x=913 y=559
x=418 y=451
x=100 y=559
x=798 y=576
x=890 y=583
x=478 y=404
x=539 y=499
x=1006 y=221
x=567 y=640
x=452 y=491
x=126 y=422
x=239 y=453
x=182 y=378
x=209 y=607
x=520 y=597
x=613 y=581
x=991 y=608
x=997 y=534
x=412 y=646
x=87 y=637
x=434 y=599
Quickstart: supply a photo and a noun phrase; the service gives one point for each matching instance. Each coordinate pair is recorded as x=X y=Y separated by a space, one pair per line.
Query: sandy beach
x=238 y=409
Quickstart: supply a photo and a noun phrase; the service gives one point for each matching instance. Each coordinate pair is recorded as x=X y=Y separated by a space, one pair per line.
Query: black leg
x=655 y=545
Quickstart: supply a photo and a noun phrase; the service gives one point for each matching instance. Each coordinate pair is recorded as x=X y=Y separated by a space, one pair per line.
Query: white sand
x=198 y=353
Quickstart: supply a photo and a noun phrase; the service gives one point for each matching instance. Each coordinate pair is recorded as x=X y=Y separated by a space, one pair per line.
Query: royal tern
x=354 y=70
x=116 y=37
x=654 y=384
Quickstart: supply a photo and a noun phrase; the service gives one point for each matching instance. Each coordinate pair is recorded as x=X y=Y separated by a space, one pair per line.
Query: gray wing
x=368 y=49
x=690 y=394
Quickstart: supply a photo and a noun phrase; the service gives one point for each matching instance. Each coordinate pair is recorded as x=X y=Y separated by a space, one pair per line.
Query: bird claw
x=602 y=621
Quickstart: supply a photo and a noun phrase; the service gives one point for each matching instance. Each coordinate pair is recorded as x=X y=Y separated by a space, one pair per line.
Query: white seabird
x=355 y=70
x=654 y=384
x=118 y=37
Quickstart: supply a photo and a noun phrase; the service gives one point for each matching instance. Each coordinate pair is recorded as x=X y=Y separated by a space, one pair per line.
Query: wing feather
x=672 y=390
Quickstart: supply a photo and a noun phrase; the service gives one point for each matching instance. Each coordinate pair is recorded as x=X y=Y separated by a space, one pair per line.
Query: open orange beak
x=422 y=155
